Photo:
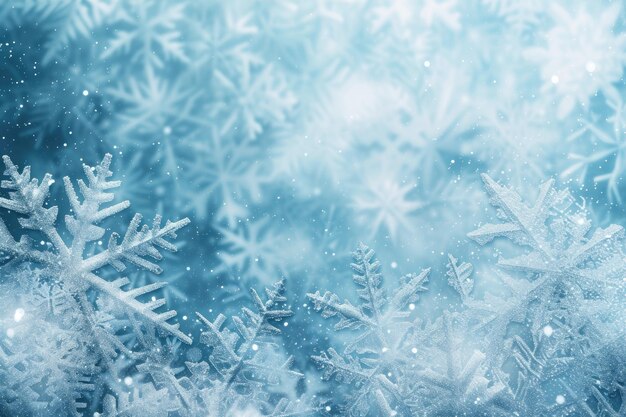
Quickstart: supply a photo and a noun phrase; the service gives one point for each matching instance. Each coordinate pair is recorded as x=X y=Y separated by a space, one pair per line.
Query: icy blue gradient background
x=288 y=131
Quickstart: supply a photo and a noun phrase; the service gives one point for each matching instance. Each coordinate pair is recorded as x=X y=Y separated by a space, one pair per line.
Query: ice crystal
x=608 y=139
x=576 y=76
x=245 y=370
x=557 y=233
x=69 y=276
x=77 y=273
x=567 y=268
x=245 y=360
x=371 y=367
x=458 y=383
x=152 y=28
x=288 y=130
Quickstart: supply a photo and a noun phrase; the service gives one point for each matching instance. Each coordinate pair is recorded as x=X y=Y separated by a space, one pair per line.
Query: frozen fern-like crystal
x=372 y=364
x=461 y=384
x=245 y=365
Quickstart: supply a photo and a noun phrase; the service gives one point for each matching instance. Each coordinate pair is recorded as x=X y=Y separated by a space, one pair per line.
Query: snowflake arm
x=346 y=370
x=350 y=316
x=460 y=277
x=522 y=220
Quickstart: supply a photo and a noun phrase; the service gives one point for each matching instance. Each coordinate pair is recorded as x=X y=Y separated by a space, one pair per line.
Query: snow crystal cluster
x=476 y=145
x=78 y=341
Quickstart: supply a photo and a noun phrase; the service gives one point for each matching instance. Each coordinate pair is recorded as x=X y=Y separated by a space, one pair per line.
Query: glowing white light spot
x=85 y=93
x=394 y=265
x=255 y=347
x=554 y=79
x=188 y=268
x=167 y=130
x=411 y=306
x=327 y=408
x=385 y=349
x=427 y=64
x=590 y=66
x=184 y=317
x=548 y=330
x=128 y=381
x=414 y=350
x=560 y=399
x=285 y=324
x=10 y=333
x=19 y=314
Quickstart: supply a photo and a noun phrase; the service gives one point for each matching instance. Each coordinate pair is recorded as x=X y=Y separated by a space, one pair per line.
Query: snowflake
x=385 y=200
x=226 y=177
x=245 y=367
x=154 y=107
x=75 y=326
x=43 y=366
x=74 y=271
x=561 y=248
x=523 y=16
x=576 y=66
x=431 y=128
x=373 y=363
x=455 y=383
x=255 y=97
x=258 y=251
x=514 y=142
x=223 y=47
x=573 y=280
x=150 y=31
x=76 y=20
x=609 y=138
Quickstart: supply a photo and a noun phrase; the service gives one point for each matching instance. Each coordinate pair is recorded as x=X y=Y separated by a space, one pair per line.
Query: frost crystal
x=564 y=291
x=372 y=366
x=65 y=279
x=245 y=372
x=75 y=271
x=246 y=366
x=561 y=247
